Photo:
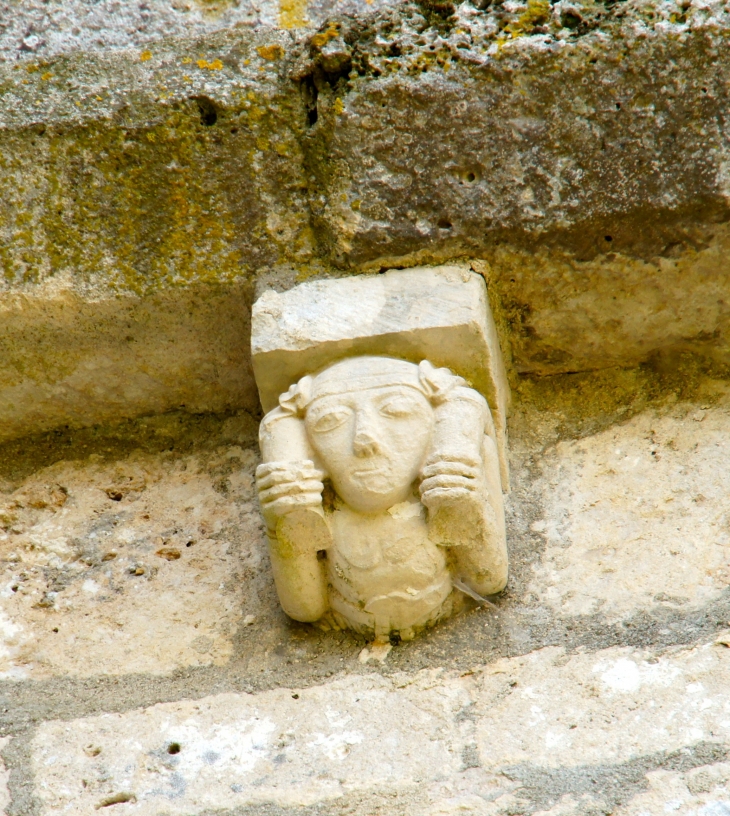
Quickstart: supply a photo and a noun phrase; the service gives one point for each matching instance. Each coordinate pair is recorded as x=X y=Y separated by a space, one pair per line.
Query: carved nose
x=364 y=443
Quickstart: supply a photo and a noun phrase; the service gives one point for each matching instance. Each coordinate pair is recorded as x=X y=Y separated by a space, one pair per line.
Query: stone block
x=74 y=360
x=440 y=314
x=291 y=747
x=636 y=515
x=414 y=181
x=114 y=187
x=433 y=742
x=129 y=566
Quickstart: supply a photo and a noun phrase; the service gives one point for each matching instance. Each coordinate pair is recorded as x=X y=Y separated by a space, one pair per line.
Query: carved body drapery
x=412 y=503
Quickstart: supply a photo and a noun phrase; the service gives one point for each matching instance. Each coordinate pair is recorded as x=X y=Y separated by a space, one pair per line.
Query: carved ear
x=296 y=399
x=437 y=383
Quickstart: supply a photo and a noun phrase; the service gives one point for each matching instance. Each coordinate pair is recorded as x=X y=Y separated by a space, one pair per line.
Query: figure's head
x=370 y=422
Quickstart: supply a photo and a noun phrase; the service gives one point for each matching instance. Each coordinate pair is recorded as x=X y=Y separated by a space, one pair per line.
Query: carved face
x=372 y=442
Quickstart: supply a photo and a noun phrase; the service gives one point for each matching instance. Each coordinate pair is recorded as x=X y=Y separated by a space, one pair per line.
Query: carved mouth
x=374 y=478
x=360 y=471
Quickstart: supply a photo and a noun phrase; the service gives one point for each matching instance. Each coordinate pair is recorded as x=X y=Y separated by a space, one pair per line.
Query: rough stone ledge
x=30 y=31
x=597 y=205
x=467 y=644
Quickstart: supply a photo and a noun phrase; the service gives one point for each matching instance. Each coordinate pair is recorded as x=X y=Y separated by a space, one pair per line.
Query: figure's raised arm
x=290 y=493
x=461 y=488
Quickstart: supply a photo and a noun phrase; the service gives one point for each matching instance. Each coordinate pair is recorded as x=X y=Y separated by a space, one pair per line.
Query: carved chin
x=376 y=480
x=370 y=490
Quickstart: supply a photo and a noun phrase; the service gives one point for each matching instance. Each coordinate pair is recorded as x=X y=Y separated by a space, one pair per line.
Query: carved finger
x=464 y=459
x=280 y=507
x=446 y=481
x=270 y=494
x=450 y=468
x=444 y=495
x=278 y=477
x=290 y=475
x=271 y=467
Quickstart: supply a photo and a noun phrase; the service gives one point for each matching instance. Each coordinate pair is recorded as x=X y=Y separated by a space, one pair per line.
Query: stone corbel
x=384 y=448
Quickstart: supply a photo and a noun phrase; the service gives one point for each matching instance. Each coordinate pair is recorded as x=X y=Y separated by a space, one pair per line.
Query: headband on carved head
x=361 y=373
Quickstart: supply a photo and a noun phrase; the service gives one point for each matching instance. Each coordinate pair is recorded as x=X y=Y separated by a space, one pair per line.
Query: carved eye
x=329 y=420
x=399 y=406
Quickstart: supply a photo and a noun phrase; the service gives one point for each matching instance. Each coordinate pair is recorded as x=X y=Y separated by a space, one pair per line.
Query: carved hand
x=449 y=479
x=286 y=486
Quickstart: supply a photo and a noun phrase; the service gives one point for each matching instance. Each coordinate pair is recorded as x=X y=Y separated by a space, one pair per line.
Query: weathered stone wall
x=146 y=660
x=159 y=166
x=579 y=150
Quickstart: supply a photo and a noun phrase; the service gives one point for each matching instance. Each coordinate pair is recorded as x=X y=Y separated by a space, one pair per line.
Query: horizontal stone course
x=416 y=735
x=598 y=202
x=74 y=534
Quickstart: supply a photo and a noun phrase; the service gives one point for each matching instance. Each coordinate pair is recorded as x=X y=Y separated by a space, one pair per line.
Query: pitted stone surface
x=636 y=515
x=142 y=565
x=437 y=740
x=42 y=30
x=598 y=202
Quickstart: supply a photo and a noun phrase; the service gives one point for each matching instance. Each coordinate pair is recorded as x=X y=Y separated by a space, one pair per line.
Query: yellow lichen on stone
x=214 y=65
x=323 y=37
x=145 y=56
x=270 y=52
x=293 y=13
x=536 y=13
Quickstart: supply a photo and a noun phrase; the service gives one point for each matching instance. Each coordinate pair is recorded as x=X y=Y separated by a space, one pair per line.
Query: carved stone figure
x=380 y=487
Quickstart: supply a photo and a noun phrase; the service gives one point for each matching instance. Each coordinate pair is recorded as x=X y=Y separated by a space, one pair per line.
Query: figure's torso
x=383 y=569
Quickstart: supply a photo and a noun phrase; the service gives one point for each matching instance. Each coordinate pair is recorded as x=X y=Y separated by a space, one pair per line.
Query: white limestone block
x=403 y=737
x=440 y=314
x=637 y=515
